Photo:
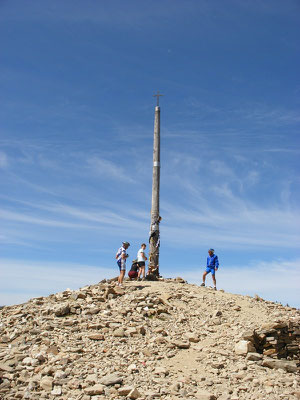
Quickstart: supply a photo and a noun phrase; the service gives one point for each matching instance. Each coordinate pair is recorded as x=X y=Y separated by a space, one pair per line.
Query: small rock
x=46 y=383
x=94 y=390
x=181 y=344
x=134 y=394
x=243 y=347
x=62 y=311
x=204 y=395
x=111 y=379
x=125 y=390
x=254 y=357
x=53 y=350
x=5 y=367
x=192 y=337
x=132 y=368
x=96 y=336
x=57 y=391
x=161 y=371
x=119 y=332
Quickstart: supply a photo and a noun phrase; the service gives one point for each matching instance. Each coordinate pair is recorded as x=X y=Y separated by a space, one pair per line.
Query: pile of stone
x=151 y=340
x=277 y=340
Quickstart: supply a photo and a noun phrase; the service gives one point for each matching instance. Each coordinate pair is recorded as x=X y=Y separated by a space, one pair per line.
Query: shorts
x=133 y=274
x=122 y=264
x=141 y=264
x=210 y=269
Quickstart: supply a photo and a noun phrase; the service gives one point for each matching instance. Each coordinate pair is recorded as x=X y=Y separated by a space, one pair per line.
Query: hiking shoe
x=202 y=284
x=215 y=288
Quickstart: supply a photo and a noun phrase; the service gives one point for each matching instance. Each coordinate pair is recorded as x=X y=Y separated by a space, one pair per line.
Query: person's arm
x=216 y=263
x=124 y=255
x=144 y=256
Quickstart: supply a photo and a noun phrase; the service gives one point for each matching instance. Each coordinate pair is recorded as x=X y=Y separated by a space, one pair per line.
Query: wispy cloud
x=254 y=114
x=282 y=150
x=108 y=169
x=3 y=160
x=222 y=209
x=21 y=217
x=117 y=13
x=264 y=114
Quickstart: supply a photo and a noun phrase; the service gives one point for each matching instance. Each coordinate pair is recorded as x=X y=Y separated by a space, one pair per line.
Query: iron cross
x=157 y=95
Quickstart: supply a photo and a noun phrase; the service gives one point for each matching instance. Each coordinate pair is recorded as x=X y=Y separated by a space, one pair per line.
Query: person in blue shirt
x=212 y=265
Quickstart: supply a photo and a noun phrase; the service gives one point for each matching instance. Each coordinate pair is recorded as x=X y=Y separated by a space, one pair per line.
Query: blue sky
x=76 y=136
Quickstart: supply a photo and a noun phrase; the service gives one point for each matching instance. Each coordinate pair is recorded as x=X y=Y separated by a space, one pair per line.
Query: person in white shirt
x=121 y=257
x=141 y=258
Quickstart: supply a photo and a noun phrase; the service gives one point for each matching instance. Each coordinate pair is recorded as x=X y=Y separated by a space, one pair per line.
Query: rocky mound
x=150 y=340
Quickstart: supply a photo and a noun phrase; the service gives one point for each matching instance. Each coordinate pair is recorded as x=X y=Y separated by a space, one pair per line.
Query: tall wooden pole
x=155 y=218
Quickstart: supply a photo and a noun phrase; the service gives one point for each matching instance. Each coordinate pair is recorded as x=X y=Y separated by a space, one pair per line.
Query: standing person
x=121 y=257
x=212 y=265
x=141 y=258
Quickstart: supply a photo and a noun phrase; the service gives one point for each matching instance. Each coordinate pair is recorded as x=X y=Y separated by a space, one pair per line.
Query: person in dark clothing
x=134 y=270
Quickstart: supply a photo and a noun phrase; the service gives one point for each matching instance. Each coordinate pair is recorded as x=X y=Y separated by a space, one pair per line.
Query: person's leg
x=119 y=265
x=122 y=272
x=140 y=271
x=213 y=275
x=121 y=277
x=203 y=278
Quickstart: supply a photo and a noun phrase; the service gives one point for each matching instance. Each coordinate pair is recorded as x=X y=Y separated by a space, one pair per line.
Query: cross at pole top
x=157 y=95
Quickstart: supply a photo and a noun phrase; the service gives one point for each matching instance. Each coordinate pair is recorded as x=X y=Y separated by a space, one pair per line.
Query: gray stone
x=111 y=379
x=62 y=311
x=289 y=366
x=254 y=357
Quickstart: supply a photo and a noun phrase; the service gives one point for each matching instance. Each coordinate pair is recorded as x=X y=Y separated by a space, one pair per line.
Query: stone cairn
x=165 y=339
x=277 y=340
